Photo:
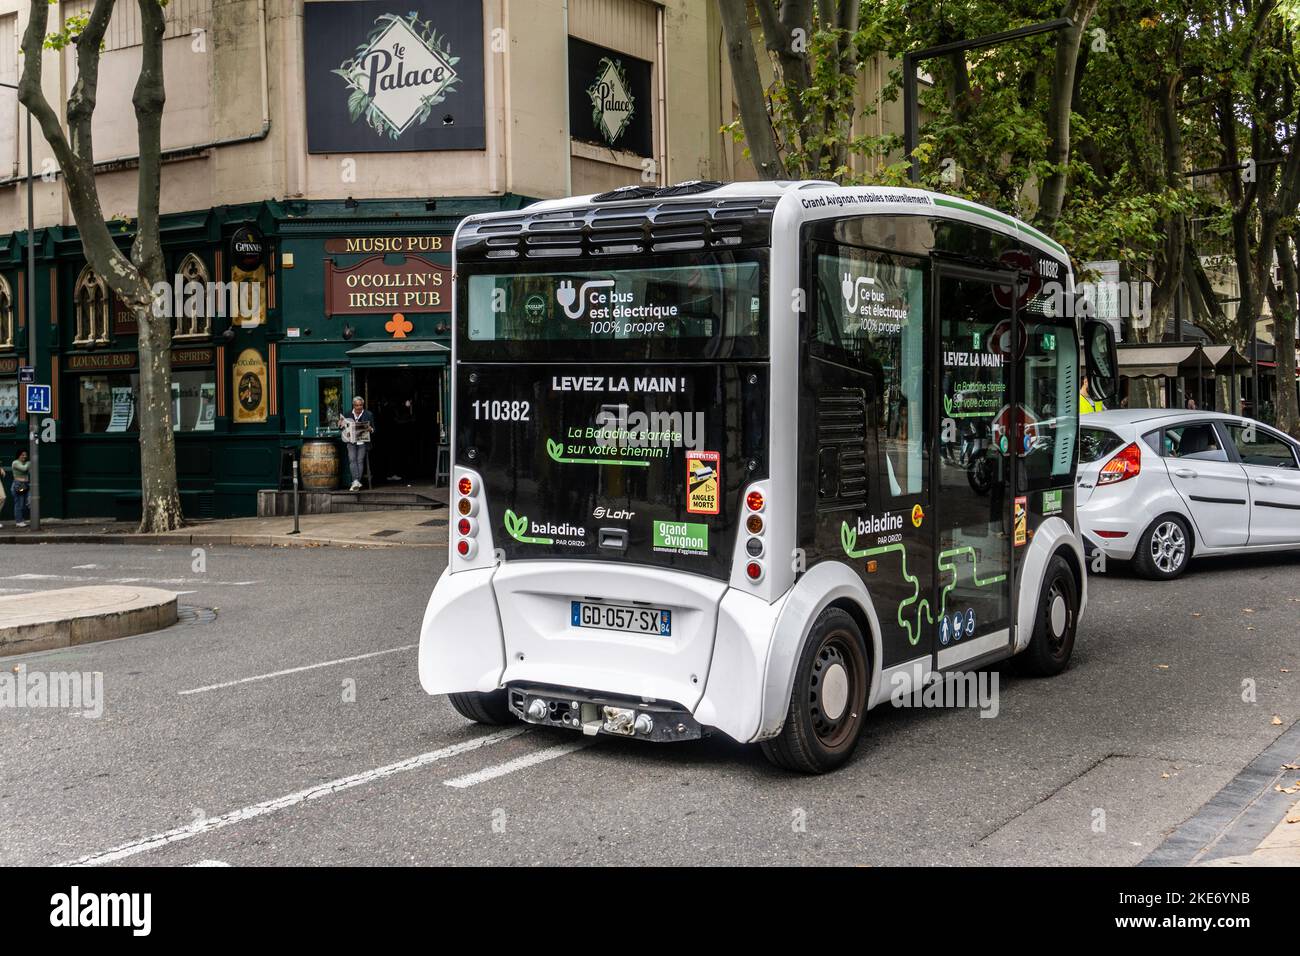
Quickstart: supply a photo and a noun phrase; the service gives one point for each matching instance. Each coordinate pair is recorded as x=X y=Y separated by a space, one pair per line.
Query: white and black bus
x=739 y=458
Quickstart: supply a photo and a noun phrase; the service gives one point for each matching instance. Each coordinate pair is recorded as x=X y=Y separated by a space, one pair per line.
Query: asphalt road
x=315 y=766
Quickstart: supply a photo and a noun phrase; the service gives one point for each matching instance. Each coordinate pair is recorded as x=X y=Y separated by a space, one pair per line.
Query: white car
x=1159 y=487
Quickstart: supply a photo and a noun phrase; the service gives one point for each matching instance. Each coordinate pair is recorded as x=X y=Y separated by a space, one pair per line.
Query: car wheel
x=1055 y=622
x=490 y=708
x=1164 y=550
x=828 y=704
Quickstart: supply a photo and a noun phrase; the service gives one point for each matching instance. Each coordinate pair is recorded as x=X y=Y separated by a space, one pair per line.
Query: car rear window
x=1097 y=443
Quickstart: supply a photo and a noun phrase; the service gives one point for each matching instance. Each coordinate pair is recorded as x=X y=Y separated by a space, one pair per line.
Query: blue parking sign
x=38 y=399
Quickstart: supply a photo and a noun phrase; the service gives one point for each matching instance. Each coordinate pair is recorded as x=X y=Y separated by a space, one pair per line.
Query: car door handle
x=1264 y=480
x=1184 y=473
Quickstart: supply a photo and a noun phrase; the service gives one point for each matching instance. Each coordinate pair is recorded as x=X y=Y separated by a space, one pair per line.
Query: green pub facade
x=281 y=313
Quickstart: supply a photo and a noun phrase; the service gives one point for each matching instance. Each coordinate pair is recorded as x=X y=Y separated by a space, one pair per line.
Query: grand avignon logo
x=400 y=72
x=611 y=100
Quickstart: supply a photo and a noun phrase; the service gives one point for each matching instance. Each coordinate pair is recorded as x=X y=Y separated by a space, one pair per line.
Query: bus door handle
x=615 y=539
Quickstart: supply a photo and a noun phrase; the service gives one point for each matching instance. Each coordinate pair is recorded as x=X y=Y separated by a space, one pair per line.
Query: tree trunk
x=1284 y=306
x=1059 y=107
x=759 y=135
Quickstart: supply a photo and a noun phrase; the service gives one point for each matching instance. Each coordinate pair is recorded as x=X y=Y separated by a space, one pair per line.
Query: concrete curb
x=66 y=617
x=198 y=538
x=1239 y=817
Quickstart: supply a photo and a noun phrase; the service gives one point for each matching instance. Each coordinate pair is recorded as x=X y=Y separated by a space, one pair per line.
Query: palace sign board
x=385 y=77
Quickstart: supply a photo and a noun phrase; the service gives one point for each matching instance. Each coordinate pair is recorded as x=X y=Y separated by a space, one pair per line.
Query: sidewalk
x=1279 y=848
x=355 y=529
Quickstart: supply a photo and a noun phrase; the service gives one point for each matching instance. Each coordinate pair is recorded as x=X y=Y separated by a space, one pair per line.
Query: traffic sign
x=38 y=400
x=26 y=375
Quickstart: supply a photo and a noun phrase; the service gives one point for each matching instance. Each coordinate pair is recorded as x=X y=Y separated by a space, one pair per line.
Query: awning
x=400 y=352
x=1225 y=358
x=1159 y=359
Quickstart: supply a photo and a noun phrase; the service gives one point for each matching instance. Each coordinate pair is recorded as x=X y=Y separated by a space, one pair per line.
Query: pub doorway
x=407 y=402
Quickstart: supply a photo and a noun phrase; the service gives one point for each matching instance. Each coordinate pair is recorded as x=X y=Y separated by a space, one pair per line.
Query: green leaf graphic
x=554 y=449
x=848 y=537
x=515 y=524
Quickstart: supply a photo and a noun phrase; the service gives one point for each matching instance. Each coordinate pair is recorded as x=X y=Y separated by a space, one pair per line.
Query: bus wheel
x=829 y=702
x=1055 y=622
x=489 y=708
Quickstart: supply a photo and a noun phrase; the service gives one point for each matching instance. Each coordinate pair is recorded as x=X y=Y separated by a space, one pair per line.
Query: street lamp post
x=33 y=434
x=911 y=111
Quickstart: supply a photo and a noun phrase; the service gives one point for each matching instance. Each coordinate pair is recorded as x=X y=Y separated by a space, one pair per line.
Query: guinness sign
x=246 y=248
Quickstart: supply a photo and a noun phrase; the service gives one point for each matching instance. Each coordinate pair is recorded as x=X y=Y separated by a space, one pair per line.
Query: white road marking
x=295 y=670
x=212 y=824
x=519 y=763
x=209 y=863
x=32 y=576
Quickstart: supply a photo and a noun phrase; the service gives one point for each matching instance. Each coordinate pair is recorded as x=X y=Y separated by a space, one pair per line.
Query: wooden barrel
x=318 y=464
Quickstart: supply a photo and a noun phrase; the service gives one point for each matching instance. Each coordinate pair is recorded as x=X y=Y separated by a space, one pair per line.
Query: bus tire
x=828 y=704
x=1164 y=549
x=1055 y=622
x=490 y=708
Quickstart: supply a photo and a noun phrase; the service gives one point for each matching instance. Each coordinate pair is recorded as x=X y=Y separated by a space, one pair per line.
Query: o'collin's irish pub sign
x=406 y=75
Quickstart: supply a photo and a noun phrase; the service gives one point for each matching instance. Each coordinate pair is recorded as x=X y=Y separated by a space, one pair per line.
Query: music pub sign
x=394 y=75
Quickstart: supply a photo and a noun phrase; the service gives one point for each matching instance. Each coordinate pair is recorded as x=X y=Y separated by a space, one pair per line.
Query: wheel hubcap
x=835 y=691
x=1168 y=547
x=1059 y=616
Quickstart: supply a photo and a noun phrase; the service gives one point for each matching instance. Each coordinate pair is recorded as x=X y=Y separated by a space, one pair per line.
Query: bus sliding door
x=974 y=520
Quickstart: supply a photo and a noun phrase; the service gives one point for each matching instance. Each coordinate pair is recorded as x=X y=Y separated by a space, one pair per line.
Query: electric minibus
x=742 y=458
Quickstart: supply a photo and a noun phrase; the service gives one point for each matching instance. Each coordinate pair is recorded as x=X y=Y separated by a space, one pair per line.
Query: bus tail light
x=754 y=524
x=754 y=571
x=466 y=524
x=467 y=548
x=1126 y=464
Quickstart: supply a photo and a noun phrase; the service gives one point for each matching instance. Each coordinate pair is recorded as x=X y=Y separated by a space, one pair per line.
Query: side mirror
x=1101 y=361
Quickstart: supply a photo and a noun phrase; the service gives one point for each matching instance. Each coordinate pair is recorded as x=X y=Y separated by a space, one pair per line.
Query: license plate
x=619 y=617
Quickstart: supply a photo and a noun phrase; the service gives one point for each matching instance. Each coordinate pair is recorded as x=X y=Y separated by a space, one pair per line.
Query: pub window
x=6 y=315
x=192 y=319
x=8 y=401
x=106 y=403
x=194 y=400
x=92 y=302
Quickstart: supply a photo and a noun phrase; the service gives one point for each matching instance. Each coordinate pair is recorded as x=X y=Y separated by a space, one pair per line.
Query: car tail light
x=1126 y=464
x=1112 y=534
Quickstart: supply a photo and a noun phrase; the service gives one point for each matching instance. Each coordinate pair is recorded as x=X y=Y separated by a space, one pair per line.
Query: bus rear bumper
x=461 y=645
x=509 y=627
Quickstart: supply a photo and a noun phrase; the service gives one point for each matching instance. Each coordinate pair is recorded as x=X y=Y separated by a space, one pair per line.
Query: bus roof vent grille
x=625 y=192
x=689 y=188
x=652 y=225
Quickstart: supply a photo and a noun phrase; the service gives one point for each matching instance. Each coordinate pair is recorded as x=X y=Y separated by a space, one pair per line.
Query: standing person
x=2 y=490
x=1086 y=404
x=357 y=438
x=21 y=487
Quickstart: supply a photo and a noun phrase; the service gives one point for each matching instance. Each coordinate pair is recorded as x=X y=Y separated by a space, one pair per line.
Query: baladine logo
x=400 y=72
x=880 y=524
x=611 y=102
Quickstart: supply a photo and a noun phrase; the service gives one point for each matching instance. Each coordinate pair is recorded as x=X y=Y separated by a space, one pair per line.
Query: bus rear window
x=687 y=310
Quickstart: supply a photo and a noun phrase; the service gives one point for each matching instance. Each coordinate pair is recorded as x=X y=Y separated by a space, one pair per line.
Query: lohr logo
x=611 y=101
x=399 y=74
x=614 y=514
